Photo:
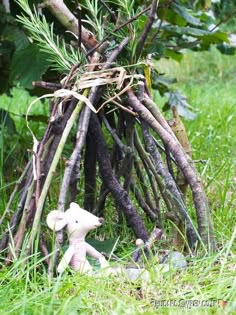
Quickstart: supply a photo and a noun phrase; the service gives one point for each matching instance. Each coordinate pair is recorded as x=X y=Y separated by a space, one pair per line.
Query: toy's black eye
x=76 y=221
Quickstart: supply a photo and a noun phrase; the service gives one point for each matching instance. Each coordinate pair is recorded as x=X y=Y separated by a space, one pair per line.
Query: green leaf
x=213 y=38
x=180 y=102
x=14 y=34
x=226 y=49
x=17 y=105
x=171 y=17
x=103 y=246
x=160 y=82
x=184 y=13
x=28 y=65
x=5 y=17
x=177 y=56
x=190 y=31
x=156 y=48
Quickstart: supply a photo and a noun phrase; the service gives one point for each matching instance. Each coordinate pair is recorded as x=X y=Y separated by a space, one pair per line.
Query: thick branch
x=52 y=169
x=75 y=156
x=119 y=194
x=69 y=21
x=142 y=203
x=144 y=35
x=143 y=184
x=90 y=174
x=170 y=184
x=199 y=197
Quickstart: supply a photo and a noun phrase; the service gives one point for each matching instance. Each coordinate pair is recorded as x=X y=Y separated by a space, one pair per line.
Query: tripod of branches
x=141 y=167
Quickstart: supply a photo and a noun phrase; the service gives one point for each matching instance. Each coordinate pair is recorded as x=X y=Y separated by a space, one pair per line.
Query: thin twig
x=80 y=139
x=54 y=163
x=143 y=184
x=111 y=12
x=124 y=108
x=18 y=183
x=116 y=138
x=18 y=238
x=79 y=26
x=47 y=85
x=145 y=247
x=117 y=28
x=144 y=35
x=90 y=174
x=223 y=20
x=69 y=21
x=142 y=203
x=17 y=215
x=44 y=249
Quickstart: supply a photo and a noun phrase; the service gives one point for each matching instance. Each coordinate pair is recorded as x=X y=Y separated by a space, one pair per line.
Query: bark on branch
x=70 y=22
x=201 y=204
x=119 y=194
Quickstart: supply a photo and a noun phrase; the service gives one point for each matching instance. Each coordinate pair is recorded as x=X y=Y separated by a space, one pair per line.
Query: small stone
x=175 y=260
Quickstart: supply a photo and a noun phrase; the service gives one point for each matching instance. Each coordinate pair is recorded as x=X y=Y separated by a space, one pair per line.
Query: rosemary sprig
x=61 y=55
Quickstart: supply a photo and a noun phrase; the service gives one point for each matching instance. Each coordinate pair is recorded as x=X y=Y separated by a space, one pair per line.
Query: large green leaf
x=226 y=49
x=185 y=14
x=207 y=38
x=213 y=39
x=177 y=56
x=14 y=34
x=156 y=48
x=160 y=82
x=190 y=31
x=179 y=101
x=16 y=105
x=28 y=65
x=171 y=16
x=103 y=246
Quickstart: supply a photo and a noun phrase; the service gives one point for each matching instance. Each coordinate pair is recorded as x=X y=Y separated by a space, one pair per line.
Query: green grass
x=208 y=79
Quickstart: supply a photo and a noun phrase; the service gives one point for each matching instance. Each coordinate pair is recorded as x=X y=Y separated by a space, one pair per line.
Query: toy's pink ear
x=56 y=220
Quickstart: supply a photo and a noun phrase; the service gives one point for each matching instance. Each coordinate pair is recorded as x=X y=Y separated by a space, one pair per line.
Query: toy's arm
x=66 y=259
x=95 y=254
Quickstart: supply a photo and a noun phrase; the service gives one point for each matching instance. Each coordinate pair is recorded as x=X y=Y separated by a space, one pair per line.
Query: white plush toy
x=78 y=223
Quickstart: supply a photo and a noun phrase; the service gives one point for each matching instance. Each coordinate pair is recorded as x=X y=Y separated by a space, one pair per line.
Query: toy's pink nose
x=100 y=220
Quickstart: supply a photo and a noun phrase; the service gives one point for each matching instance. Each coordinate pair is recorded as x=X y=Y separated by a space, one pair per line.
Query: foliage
x=223 y=8
x=178 y=28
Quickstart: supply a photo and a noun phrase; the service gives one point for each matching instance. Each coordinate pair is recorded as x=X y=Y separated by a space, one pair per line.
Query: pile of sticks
x=139 y=169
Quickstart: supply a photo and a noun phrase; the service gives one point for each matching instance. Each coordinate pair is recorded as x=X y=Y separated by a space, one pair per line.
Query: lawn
x=208 y=284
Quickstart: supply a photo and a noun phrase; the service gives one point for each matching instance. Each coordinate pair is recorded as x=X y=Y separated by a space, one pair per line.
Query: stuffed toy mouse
x=78 y=223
